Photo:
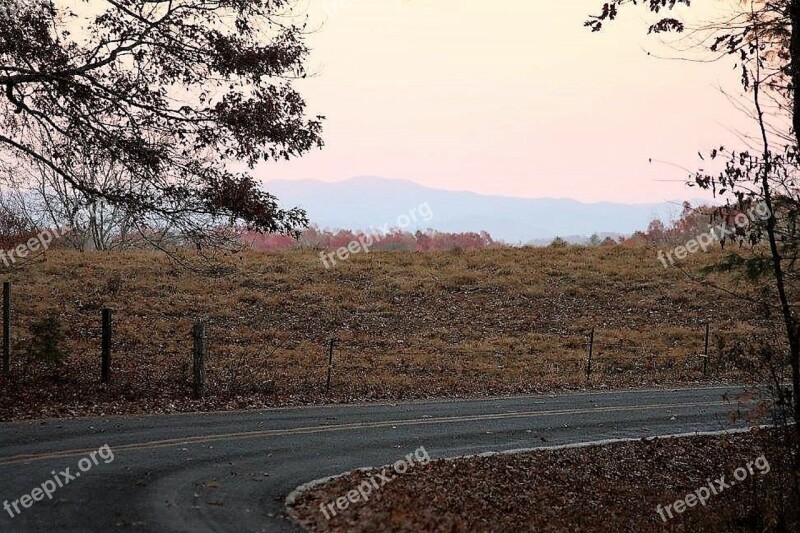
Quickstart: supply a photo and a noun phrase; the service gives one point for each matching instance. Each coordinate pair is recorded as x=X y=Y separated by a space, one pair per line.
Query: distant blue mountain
x=365 y=202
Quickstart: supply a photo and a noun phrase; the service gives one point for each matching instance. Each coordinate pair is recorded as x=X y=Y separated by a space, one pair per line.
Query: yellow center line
x=25 y=458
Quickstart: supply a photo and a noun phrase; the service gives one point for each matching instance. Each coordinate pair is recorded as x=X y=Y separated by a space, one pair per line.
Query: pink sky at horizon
x=513 y=98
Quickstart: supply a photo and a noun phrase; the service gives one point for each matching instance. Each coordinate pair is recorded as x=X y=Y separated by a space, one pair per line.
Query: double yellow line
x=26 y=458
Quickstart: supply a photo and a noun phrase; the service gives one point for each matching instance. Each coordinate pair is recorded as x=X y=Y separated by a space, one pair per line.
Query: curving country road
x=232 y=471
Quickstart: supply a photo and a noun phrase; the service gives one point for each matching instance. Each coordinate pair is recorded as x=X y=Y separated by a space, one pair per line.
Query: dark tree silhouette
x=763 y=37
x=174 y=92
x=770 y=23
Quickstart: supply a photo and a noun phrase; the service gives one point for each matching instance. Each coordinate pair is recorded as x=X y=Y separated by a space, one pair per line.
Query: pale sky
x=510 y=97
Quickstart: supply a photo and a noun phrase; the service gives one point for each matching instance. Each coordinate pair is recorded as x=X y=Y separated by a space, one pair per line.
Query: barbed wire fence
x=588 y=356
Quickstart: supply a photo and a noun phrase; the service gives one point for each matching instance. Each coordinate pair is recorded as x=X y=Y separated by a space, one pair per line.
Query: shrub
x=46 y=341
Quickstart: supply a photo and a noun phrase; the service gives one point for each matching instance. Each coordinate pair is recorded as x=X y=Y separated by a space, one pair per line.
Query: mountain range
x=368 y=202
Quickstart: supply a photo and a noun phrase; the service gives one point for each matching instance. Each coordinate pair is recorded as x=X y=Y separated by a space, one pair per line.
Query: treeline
x=109 y=232
x=397 y=240
x=692 y=222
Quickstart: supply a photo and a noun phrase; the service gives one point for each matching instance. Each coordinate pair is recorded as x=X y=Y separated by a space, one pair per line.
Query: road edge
x=680 y=387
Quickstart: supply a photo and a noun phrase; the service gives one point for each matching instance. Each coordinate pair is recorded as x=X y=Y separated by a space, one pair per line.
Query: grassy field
x=409 y=325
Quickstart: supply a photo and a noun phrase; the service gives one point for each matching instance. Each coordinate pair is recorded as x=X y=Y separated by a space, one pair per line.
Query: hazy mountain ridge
x=365 y=202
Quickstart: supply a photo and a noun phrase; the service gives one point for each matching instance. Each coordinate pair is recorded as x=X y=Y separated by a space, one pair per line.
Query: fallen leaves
x=604 y=488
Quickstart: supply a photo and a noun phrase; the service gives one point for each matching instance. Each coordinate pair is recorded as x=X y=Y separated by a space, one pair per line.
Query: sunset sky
x=513 y=97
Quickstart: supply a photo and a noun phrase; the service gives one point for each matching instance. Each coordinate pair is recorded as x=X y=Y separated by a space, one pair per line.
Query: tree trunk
x=794 y=51
x=794 y=343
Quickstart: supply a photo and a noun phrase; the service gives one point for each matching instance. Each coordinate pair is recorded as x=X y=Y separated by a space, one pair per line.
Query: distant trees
x=692 y=222
x=15 y=228
x=395 y=240
x=137 y=109
x=45 y=199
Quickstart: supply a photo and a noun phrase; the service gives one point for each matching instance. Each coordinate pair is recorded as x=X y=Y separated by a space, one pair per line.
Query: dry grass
x=410 y=325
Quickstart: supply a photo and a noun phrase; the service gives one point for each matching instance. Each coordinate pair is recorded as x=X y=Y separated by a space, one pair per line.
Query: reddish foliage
x=395 y=240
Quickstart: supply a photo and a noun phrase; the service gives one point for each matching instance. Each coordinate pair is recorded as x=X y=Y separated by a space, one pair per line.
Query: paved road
x=232 y=471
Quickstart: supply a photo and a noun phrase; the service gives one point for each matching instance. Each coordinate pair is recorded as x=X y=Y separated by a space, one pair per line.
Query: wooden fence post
x=330 y=363
x=105 y=369
x=6 y=327
x=705 y=350
x=591 y=351
x=199 y=370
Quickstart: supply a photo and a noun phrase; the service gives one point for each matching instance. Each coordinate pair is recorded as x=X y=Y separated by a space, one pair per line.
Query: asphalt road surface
x=233 y=471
